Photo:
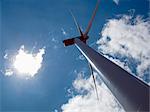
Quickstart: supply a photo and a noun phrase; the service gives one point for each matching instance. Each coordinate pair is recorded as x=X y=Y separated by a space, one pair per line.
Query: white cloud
x=86 y=100
x=128 y=37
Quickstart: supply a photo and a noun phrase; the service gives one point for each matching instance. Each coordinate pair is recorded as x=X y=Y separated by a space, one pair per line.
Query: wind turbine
x=83 y=37
x=131 y=92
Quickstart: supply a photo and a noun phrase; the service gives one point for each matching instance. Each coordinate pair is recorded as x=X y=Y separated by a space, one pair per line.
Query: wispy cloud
x=127 y=38
x=6 y=56
x=63 y=31
x=8 y=72
x=86 y=100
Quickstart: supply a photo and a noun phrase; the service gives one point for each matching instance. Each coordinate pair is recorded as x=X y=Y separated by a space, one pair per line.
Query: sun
x=28 y=64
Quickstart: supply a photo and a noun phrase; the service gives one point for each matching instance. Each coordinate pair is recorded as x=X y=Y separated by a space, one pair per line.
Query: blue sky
x=41 y=23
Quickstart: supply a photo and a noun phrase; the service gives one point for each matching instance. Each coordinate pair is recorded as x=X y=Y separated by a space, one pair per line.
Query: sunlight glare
x=28 y=64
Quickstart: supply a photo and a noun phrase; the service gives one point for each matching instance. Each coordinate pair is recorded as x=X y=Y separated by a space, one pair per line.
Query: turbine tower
x=131 y=92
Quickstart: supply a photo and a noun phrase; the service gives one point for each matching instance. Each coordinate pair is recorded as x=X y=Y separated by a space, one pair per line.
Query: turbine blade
x=91 y=70
x=92 y=18
x=76 y=23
